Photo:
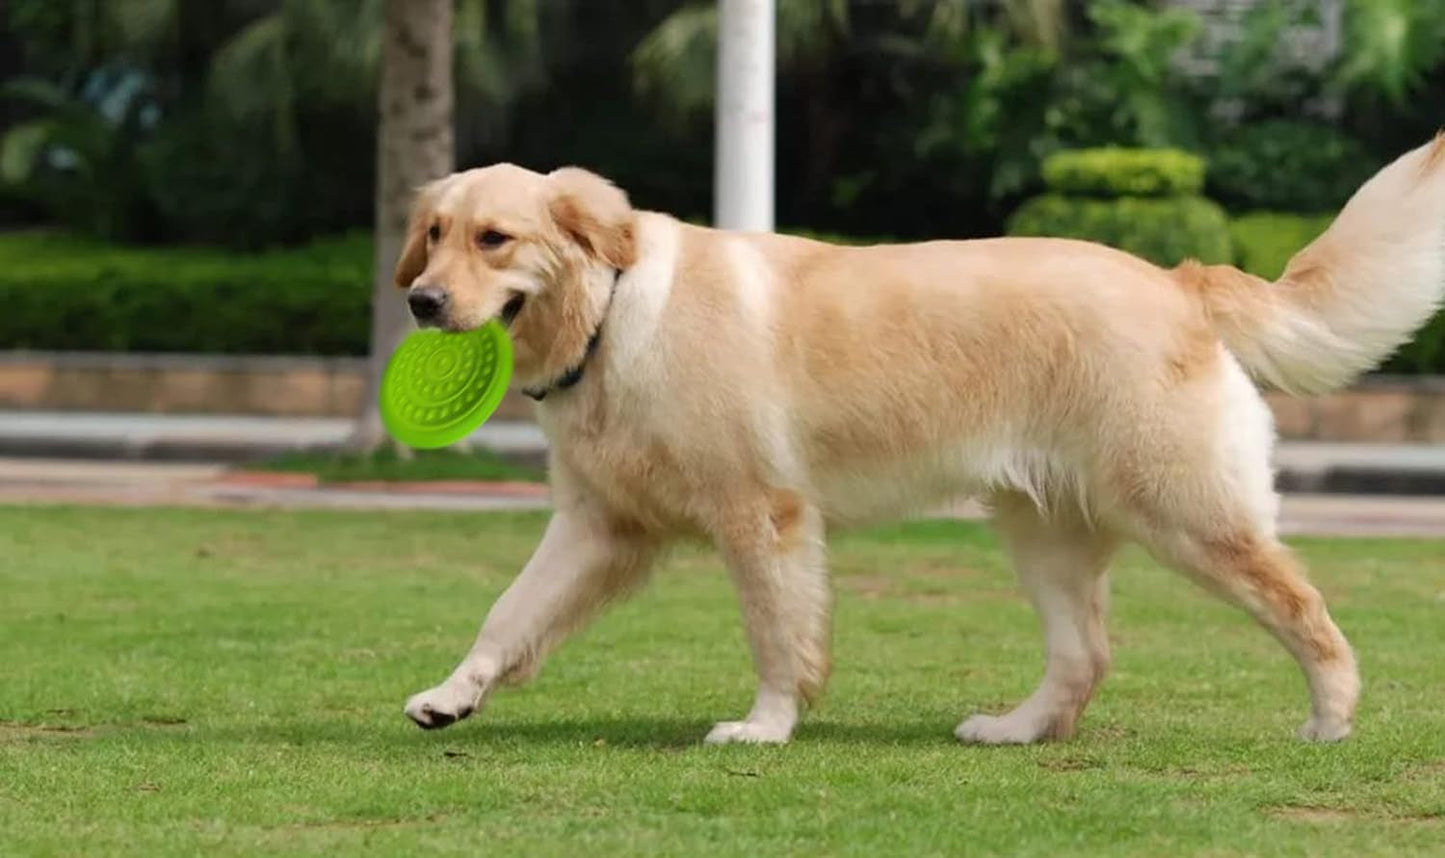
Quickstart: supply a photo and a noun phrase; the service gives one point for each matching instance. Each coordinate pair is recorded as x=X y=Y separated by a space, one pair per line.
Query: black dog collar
x=573 y=375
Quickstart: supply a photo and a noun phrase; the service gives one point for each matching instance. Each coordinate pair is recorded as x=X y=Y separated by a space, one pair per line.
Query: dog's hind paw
x=438 y=707
x=1011 y=729
x=1324 y=730
x=748 y=732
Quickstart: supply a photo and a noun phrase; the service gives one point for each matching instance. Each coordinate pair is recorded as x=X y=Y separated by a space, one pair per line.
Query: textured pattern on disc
x=438 y=388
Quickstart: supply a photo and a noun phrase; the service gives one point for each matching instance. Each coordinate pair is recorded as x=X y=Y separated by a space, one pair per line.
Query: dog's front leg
x=581 y=563
x=778 y=566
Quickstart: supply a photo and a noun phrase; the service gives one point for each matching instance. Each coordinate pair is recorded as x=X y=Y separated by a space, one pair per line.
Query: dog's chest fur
x=643 y=469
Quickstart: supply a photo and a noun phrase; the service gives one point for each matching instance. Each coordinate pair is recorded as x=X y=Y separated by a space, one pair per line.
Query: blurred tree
x=830 y=54
x=1393 y=72
x=92 y=97
x=253 y=120
x=76 y=158
x=1016 y=100
x=415 y=146
x=1272 y=62
x=262 y=111
x=675 y=64
x=329 y=51
x=587 y=112
x=1391 y=45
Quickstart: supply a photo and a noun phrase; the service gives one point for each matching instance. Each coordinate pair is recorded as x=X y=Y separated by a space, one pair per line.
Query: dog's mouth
x=512 y=308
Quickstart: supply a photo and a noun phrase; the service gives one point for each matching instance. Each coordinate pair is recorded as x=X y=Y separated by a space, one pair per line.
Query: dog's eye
x=434 y=232
x=492 y=238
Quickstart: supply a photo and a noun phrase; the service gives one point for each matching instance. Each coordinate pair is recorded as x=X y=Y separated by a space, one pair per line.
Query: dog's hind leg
x=1215 y=521
x=777 y=561
x=1253 y=570
x=1063 y=563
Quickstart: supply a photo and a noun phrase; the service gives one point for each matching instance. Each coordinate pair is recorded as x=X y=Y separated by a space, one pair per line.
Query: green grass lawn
x=179 y=682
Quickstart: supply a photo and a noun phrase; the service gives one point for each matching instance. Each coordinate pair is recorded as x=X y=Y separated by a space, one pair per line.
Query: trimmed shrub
x=1288 y=166
x=213 y=181
x=1157 y=213
x=1165 y=231
x=1116 y=172
x=68 y=293
x=1265 y=241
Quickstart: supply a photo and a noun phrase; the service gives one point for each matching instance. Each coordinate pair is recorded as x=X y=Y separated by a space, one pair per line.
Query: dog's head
x=539 y=252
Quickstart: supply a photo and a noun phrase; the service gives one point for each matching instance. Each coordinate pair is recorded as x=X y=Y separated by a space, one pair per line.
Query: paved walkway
x=65 y=457
x=49 y=481
x=71 y=481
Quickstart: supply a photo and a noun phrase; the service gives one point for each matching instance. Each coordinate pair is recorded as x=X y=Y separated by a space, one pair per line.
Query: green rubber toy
x=439 y=387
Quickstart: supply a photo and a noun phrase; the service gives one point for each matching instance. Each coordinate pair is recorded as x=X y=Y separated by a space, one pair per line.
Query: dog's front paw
x=748 y=732
x=438 y=707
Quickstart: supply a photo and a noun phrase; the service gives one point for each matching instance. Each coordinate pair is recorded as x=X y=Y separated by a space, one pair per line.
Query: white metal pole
x=743 y=170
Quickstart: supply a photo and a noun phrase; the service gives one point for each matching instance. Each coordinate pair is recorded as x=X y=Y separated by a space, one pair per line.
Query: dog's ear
x=594 y=213
x=412 y=260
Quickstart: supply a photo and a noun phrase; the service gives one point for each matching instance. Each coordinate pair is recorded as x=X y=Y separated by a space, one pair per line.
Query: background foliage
x=1145 y=201
x=64 y=292
x=249 y=124
x=1118 y=172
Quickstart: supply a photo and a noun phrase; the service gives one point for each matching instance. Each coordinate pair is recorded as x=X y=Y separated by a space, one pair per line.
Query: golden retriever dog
x=752 y=390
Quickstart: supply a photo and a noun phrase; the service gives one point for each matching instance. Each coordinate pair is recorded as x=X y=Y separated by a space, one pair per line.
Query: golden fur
x=751 y=389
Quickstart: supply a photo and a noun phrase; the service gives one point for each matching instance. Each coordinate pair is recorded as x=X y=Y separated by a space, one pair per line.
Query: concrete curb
x=293 y=480
x=1356 y=480
x=191 y=450
x=152 y=449
x=235 y=439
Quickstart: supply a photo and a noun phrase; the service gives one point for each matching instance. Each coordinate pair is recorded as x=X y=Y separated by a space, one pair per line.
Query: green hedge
x=1166 y=230
x=68 y=293
x=64 y=293
x=1115 y=172
x=1265 y=241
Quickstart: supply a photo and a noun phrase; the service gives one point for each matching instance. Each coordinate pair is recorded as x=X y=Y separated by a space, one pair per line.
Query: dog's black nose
x=427 y=302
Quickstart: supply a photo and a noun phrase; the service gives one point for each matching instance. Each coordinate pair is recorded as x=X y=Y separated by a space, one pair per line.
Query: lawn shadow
x=622 y=732
x=681 y=733
x=656 y=733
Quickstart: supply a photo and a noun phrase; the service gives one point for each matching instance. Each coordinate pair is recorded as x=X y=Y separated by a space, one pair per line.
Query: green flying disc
x=438 y=387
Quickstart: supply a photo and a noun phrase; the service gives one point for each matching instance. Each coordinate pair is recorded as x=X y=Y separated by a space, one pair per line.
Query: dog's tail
x=1352 y=297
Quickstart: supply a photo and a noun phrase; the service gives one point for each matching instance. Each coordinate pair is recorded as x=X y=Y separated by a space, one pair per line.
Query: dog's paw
x=748 y=732
x=999 y=730
x=438 y=707
x=1324 y=730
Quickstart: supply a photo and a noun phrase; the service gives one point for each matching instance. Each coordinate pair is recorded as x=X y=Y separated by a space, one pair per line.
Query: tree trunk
x=414 y=147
